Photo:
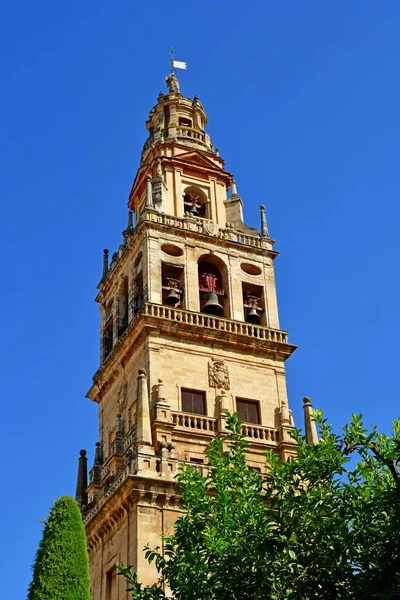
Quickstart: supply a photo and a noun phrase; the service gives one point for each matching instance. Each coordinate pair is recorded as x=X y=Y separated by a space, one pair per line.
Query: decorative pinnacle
x=309 y=423
x=130 y=220
x=82 y=480
x=97 y=457
x=142 y=372
x=264 y=228
x=105 y=263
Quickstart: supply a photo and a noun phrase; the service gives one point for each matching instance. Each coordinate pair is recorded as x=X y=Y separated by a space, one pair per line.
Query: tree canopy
x=323 y=525
x=61 y=568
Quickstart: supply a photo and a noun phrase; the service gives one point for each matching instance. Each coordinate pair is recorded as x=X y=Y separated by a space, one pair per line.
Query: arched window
x=213 y=286
x=195 y=202
x=138 y=292
x=253 y=304
x=123 y=306
x=108 y=329
x=172 y=285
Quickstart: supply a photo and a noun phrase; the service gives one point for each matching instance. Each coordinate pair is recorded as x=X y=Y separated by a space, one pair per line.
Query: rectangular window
x=111 y=584
x=194 y=402
x=248 y=410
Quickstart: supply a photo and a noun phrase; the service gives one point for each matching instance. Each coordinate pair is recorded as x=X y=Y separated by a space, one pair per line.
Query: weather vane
x=176 y=64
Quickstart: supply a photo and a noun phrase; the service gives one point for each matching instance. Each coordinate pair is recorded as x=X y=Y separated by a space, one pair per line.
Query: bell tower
x=189 y=329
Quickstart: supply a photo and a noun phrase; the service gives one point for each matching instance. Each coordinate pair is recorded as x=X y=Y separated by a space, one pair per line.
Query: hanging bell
x=193 y=211
x=252 y=316
x=211 y=305
x=172 y=298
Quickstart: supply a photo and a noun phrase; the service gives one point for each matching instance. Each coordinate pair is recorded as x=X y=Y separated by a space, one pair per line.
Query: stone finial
x=225 y=405
x=105 y=263
x=234 y=189
x=285 y=415
x=149 y=192
x=309 y=423
x=130 y=220
x=158 y=168
x=119 y=424
x=82 y=480
x=160 y=391
x=216 y=151
x=97 y=455
x=264 y=228
x=143 y=426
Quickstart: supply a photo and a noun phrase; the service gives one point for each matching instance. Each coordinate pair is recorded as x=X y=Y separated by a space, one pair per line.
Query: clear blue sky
x=303 y=101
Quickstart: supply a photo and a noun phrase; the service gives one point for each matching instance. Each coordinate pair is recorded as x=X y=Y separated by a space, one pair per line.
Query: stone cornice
x=128 y=490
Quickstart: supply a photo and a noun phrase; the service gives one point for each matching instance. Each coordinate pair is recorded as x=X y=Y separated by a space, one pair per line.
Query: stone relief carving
x=209 y=227
x=218 y=375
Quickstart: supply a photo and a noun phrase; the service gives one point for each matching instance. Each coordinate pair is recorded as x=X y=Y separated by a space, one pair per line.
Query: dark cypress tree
x=61 y=569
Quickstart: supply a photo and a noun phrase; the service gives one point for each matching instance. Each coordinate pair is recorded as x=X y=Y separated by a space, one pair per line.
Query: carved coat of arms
x=218 y=375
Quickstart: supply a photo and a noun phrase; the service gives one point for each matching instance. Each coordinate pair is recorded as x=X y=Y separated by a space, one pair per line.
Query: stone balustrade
x=205 y=226
x=190 y=132
x=199 y=423
x=216 y=323
x=129 y=438
x=259 y=433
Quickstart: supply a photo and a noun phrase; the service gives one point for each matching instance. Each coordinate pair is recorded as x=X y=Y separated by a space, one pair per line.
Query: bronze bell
x=172 y=298
x=211 y=305
x=193 y=211
x=252 y=316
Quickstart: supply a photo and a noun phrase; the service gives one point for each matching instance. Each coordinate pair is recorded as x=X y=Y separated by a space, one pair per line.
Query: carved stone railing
x=190 y=132
x=129 y=437
x=207 y=227
x=110 y=492
x=199 y=423
x=216 y=323
x=259 y=433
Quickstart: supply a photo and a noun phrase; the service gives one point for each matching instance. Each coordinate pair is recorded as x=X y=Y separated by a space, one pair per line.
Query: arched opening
x=213 y=286
x=195 y=202
x=172 y=285
x=108 y=329
x=253 y=304
x=123 y=306
x=138 y=293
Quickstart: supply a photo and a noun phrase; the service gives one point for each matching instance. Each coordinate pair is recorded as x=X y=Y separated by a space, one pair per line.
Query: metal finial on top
x=171 y=62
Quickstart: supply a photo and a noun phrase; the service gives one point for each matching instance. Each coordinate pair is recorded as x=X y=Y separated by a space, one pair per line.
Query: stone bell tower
x=189 y=329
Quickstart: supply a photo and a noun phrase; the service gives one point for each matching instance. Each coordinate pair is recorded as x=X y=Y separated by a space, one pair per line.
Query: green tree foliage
x=325 y=525
x=61 y=569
